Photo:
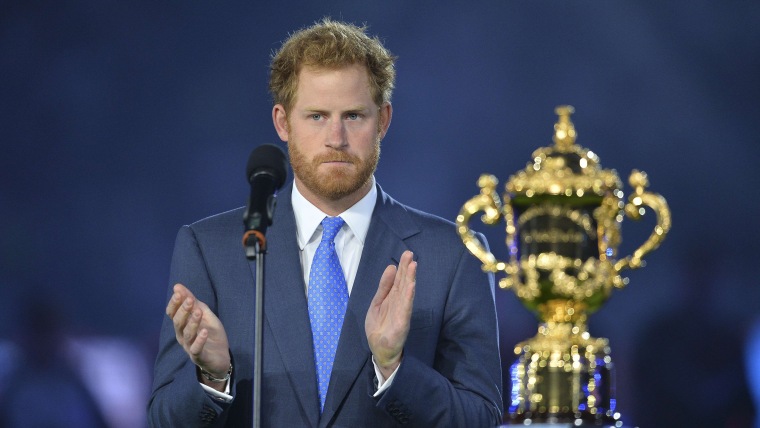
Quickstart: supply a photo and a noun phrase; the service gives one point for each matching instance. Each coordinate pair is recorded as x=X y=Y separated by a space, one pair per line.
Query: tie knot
x=330 y=228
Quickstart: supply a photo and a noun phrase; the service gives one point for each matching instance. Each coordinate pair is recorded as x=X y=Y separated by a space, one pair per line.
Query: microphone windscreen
x=268 y=158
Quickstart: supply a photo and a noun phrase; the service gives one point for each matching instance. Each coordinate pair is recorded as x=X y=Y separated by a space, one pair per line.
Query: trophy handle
x=634 y=210
x=488 y=202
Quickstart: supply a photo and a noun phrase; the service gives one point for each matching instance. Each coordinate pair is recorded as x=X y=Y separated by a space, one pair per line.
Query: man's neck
x=333 y=207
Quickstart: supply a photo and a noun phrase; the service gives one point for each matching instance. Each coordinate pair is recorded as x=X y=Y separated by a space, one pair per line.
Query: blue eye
x=316 y=116
x=352 y=116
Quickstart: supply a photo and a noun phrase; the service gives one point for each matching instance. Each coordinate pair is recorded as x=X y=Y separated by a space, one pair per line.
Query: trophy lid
x=564 y=169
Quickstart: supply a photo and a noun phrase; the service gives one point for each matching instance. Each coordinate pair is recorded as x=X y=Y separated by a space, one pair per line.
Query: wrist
x=213 y=377
x=387 y=368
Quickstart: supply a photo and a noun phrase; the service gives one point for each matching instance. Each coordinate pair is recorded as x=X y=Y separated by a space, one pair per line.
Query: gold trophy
x=563 y=214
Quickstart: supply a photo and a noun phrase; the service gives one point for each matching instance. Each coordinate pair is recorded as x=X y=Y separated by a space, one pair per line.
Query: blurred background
x=122 y=121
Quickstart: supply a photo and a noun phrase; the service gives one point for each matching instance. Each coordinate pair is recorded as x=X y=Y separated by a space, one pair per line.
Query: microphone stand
x=255 y=248
x=266 y=171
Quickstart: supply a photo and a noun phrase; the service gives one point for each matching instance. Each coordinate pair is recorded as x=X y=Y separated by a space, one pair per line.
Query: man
x=415 y=343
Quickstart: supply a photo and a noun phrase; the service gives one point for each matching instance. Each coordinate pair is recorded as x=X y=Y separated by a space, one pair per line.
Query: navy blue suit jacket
x=450 y=374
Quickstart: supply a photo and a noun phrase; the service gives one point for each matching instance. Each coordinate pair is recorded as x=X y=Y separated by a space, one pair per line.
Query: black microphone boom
x=266 y=172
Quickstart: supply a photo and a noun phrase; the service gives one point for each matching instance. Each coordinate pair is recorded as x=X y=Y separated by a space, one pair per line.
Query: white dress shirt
x=349 y=242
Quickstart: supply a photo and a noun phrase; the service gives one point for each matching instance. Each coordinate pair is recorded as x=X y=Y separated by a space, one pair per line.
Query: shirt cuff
x=382 y=383
x=224 y=397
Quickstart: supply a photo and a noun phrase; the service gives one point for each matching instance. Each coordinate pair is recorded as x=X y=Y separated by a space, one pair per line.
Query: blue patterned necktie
x=328 y=298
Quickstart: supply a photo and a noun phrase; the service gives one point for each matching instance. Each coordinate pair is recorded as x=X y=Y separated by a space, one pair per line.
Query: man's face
x=333 y=132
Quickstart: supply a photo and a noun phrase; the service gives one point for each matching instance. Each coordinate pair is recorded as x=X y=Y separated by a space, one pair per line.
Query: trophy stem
x=563 y=375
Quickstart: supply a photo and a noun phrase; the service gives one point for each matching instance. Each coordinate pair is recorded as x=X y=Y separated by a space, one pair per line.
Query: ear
x=386 y=113
x=280 y=120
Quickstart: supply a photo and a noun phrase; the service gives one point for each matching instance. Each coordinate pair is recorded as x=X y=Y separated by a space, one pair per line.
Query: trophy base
x=561 y=420
x=563 y=376
x=562 y=425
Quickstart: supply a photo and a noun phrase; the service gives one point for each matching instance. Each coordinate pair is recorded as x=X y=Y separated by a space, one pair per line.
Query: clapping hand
x=389 y=314
x=200 y=333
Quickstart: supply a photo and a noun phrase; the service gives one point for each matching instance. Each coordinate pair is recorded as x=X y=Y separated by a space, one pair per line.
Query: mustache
x=335 y=157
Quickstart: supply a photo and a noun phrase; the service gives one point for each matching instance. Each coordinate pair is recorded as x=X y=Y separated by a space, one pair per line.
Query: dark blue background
x=122 y=121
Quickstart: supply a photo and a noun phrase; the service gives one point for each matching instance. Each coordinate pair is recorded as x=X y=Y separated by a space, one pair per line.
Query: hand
x=390 y=313
x=200 y=333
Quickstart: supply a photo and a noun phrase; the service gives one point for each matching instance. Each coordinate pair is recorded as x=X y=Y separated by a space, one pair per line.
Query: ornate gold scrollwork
x=487 y=202
x=634 y=209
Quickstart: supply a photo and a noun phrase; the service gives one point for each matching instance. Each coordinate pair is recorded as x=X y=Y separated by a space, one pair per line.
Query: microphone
x=266 y=172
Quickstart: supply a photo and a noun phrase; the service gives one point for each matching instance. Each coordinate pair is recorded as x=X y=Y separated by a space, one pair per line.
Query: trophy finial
x=564 y=130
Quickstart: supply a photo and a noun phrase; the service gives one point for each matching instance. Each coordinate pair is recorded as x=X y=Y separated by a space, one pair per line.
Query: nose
x=336 y=137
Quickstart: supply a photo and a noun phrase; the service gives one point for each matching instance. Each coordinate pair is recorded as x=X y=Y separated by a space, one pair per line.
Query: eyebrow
x=360 y=107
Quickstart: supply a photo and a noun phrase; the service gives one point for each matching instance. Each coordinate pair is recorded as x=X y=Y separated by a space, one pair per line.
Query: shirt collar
x=309 y=217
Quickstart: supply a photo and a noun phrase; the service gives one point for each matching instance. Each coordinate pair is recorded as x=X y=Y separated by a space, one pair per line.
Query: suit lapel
x=384 y=243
